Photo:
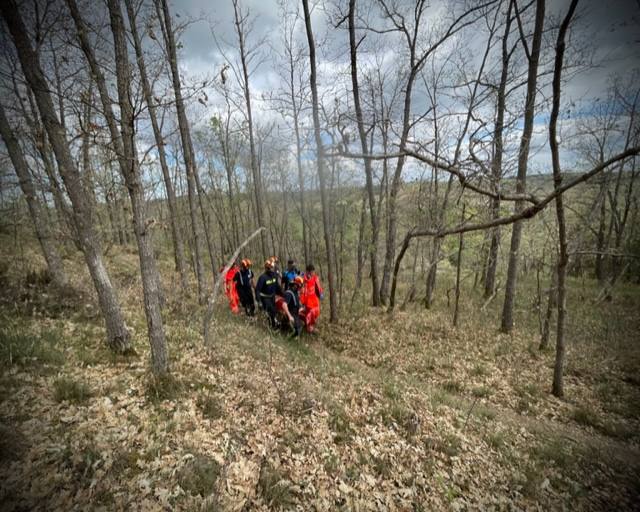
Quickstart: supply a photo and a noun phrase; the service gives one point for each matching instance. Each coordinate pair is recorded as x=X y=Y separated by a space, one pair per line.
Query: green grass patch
x=586 y=416
x=20 y=348
x=199 y=475
x=555 y=451
x=453 y=386
x=340 y=424
x=65 y=389
x=275 y=487
x=450 y=445
x=481 y=391
x=167 y=387
x=210 y=407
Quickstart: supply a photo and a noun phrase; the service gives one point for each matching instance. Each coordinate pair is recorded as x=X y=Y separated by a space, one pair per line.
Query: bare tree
x=178 y=244
x=240 y=21
x=162 y=10
x=523 y=160
x=36 y=208
x=563 y=257
x=320 y=162
x=118 y=336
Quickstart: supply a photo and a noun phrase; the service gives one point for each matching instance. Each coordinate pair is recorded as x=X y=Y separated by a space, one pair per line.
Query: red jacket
x=311 y=291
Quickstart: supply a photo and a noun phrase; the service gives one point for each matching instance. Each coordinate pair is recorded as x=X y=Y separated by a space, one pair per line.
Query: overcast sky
x=613 y=27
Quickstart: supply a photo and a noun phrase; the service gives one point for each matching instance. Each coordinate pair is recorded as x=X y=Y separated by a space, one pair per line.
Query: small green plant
x=586 y=416
x=340 y=423
x=450 y=445
x=481 y=392
x=275 y=487
x=496 y=440
x=453 y=386
x=210 y=407
x=553 y=451
x=199 y=475
x=331 y=464
x=479 y=370
x=24 y=349
x=163 y=388
x=71 y=391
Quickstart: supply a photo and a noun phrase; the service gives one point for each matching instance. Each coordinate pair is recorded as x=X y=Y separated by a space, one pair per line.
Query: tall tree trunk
x=123 y=140
x=552 y=303
x=255 y=171
x=320 y=159
x=131 y=172
x=162 y=9
x=178 y=244
x=563 y=256
x=459 y=270
x=118 y=336
x=496 y=162
x=38 y=216
x=373 y=246
x=523 y=157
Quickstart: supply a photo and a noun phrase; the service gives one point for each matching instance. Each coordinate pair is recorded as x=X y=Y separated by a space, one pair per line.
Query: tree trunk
x=125 y=148
x=563 y=257
x=178 y=244
x=255 y=171
x=459 y=269
x=373 y=246
x=523 y=157
x=162 y=9
x=552 y=301
x=40 y=223
x=320 y=160
x=131 y=173
x=118 y=336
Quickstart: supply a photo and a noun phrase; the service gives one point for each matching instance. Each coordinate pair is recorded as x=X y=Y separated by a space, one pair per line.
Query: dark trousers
x=269 y=305
x=246 y=299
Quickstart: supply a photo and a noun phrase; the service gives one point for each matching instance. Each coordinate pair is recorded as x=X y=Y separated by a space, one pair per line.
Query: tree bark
x=118 y=336
x=131 y=173
x=38 y=216
x=178 y=244
x=320 y=160
x=162 y=8
x=523 y=157
x=373 y=246
x=496 y=163
x=563 y=257
x=458 y=271
x=255 y=171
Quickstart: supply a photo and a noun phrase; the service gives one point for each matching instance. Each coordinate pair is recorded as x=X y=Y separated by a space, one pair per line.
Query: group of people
x=291 y=299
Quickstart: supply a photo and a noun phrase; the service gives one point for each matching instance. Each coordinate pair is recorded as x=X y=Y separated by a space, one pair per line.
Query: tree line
x=391 y=128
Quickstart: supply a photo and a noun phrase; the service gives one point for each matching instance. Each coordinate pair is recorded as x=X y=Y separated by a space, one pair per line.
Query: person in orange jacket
x=230 y=289
x=311 y=295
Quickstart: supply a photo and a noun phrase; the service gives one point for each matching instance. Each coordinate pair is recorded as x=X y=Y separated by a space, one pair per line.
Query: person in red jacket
x=311 y=295
x=230 y=289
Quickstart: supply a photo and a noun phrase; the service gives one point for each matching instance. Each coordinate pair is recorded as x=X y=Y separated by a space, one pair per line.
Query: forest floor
x=376 y=413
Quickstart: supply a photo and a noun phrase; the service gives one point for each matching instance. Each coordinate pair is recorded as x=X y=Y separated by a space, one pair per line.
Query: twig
x=469 y=413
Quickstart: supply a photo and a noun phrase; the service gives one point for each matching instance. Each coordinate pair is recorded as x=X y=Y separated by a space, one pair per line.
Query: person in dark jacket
x=245 y=285
x=267 y=288
x=292 y=301
x=289 y=274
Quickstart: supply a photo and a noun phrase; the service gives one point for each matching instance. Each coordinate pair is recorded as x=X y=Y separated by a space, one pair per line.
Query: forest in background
x=472 y=217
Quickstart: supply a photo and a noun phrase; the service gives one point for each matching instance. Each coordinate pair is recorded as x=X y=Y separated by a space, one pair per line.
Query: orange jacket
x=311 y=291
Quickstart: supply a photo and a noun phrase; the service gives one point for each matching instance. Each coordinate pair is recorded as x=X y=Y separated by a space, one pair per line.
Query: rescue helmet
x=268 y=265
x=298 y=280
x=246 y=263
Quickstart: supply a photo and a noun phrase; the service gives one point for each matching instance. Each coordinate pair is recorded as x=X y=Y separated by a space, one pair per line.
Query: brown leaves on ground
x=410 y=415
